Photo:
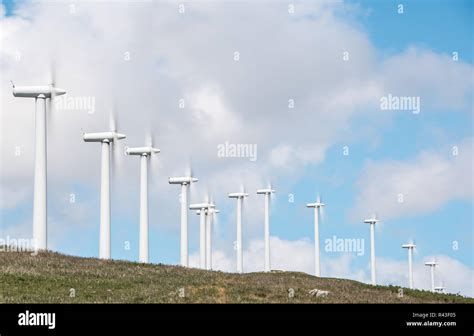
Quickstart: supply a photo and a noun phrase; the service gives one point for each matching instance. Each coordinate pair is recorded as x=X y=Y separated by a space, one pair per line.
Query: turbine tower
x=410 y=247
x=267 y=193
x=144 y=153
x=240 y=197
x=201 y=208
x=372 y=222
x=105 y=138
x=210 y=212
x=40 y=215
x=432 y=265
x=318 y=206
x=184 y=182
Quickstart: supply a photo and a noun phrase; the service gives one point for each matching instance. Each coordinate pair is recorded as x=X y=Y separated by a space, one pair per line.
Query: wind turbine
x=105 y=138
x=410 y=247
x=210 y=213
x=318 y=206
x=432 y=265
x=144 y=153
x=40 y=94
x=184 y=182
x=372 y=222
x=201 y=207
x=267 y=193
x=240 y=197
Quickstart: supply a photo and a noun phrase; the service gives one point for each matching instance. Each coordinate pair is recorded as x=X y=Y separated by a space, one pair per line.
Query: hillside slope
x=56 y=278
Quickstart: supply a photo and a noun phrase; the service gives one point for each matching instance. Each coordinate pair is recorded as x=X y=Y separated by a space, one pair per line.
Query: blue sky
x=373 y=137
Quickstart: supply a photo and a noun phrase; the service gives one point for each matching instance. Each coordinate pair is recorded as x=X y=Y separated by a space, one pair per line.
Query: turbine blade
x=215 y=222
x=115 y=158
x=113 y=120
x=189 y=169
x=51 y=103
x=148 y=137
x=50 y=116
x=52 y=71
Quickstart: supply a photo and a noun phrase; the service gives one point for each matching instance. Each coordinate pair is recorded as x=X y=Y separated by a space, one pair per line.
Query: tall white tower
x=40 y=214
x=410 y=247
x=184 y=182
x=317 y=206
x=267 y=193
x=240 y=197
x=105 y=138
x=432 y=265
x=372 y=222
x=201 y=211
x=144 y=153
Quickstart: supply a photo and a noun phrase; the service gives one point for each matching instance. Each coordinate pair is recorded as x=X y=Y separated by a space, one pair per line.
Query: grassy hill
x=55 y=278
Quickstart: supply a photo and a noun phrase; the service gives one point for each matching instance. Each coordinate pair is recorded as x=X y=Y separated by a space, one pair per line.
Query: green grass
x=52 y=278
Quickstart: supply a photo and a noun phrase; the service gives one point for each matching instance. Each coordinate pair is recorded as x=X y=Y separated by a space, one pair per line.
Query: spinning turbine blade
x=51 y=103
x=116 y=152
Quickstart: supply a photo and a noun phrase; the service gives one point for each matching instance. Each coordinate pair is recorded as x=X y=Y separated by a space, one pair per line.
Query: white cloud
x=441 y=82
x=298 y=255
x=450 y=273
x=174 y=56
x=425 y=183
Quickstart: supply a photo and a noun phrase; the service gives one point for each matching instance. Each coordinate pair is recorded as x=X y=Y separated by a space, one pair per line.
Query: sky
x=303 y=82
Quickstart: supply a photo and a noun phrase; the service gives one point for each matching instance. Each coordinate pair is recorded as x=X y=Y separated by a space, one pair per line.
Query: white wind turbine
x=105 y=138
x=432 y=265
x=210 y=213
x=201 y=208
x=184 y=182
x=144 y=153
x=410 y=247
x=267 y=193
x=372 y=221
x=240 y=197
x=318 y=207
x=40 y=215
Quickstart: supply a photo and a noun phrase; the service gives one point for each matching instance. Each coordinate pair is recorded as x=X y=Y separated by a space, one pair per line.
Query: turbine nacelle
x=238 y=195
x=208 y=211
x=265 y=191
x=103 y=136
x=201 y=206
x=411 y=245
x=182 y=180
x=141 y=150
x=431 y=263
x=371 y=221
x=35 y=91
x=315 y=205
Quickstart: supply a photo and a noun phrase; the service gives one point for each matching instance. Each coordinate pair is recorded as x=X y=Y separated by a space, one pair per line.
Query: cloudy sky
x=303 y=82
